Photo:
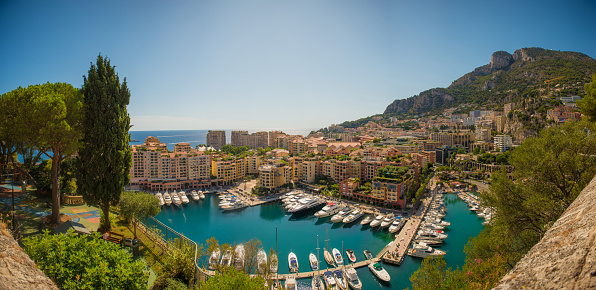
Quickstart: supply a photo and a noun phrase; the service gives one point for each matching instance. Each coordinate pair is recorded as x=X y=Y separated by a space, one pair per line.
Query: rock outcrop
x=565 y=258
x=17 y=270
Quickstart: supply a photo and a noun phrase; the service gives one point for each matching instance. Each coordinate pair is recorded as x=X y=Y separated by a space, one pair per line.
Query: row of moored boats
x=483 y=212
x=431 y=231
x=178 y=198
x=231 y=202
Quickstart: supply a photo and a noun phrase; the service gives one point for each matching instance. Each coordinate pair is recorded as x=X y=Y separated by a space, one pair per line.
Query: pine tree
x=105 y=156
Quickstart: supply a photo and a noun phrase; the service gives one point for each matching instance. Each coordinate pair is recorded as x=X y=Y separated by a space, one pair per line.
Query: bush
x=102 y=219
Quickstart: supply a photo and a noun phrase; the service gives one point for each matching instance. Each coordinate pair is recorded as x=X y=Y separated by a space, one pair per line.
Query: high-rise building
x=216 y=139
x=503 y=142
x=237 y=137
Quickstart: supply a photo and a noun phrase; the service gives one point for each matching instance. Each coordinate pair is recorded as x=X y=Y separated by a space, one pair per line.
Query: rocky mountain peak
x=500 y=60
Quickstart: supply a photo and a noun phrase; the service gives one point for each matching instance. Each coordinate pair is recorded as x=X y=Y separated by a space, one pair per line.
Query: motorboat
x=434 y=234
x=439 y=222
x=429 y=241
x=432 y=226
x=306 y=204
x=352 y=278
x=339 y=278
x=352 y=217
x=293 y=262
x=273 y=263
x=167 y=198
x=368 y=254
x=387 y=221
x=239 y=262
x=214 y=259
x=378 y=270
x=201 y=195
x=397 y=224
x=329 y=209
x=176 y=199
x=194 y=195
x=340 y=215
x=234 y=206
x=330 y=280
x=183 y=197
x=317 y=283
x=314 y=263
x=377 y=221
x=422 y=250
x=226 y=259
x=367 y=220
x=339 y=260
x=351 y=255
x=160 y=199
x=291 y=283
x=261 y=260
x=328 y=257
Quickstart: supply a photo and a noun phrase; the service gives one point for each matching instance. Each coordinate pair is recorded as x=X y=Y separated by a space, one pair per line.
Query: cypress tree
x=105 y=156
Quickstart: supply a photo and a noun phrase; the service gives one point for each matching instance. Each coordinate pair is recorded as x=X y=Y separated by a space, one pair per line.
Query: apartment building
x=273 y=176
x=224 y=170
x=503 y=143
x=390 y=192
x=451 y=139
x=216 y=139
x=236 y=138
x=483 y=134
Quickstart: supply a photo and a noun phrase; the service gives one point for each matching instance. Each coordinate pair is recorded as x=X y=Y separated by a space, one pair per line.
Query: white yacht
x=397 y=224
x=433 y=234
x=328 y=257
x=194 y=195
x=352 y=277
x=330 y=209
x=340 y=215
x=293 y=262
x=261 y=261
x=239 y=262
x=439 y=222
x=214 y=259
x=387 y=221
x=291 y=283
x=330 y=280
x=314 y=263
x=429 y=241
x=160 y=199
x=377 y=222
x=317 y=283
x=183 y=197
x=201 y=195
x=432 y=226
x=167 y=199
x=339 y=278
x=422 y=250
x=306 y=204
x=339 y=260
x=234 y=206
x=176 y=199
x=226 y=259
x=379 y=271
x=367 y=220
x=354 y=216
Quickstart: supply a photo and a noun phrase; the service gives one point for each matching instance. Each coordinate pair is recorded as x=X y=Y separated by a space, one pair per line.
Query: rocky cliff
x=565 y=258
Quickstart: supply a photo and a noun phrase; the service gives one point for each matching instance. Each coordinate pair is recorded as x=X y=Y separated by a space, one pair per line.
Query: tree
x=105 y=156
x=78 y=262
x=49 y=118
x=138 y=205
x=230 y=278
x=588 y=104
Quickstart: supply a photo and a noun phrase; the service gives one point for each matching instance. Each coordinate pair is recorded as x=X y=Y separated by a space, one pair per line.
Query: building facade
x=216 y=139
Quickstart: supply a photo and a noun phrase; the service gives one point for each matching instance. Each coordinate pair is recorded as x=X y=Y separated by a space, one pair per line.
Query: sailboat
x=326 y=253
x=317 y=283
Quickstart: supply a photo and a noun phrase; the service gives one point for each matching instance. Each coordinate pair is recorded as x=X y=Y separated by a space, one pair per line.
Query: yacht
x=379 y=271
x=352 y=278
x=214 y=259
x=429 y=241
x=397 y=224
x=201 y=195
x=314 y=263
x=167 y=198
x=234 y=206
x=354 y=216
x=422 y=250
x=330 y=209
x=387 y=221
x=293 y=262
x=339 y=278
x=239 y=262
x=340 y=215
x=273 y=263
x=306 y=204
x=176 y=199
x=226 y=259
x=330 y=281
x=433 y=234
x=316 y=283
x=261 y=261
x=160 y=198
x=291 y=283
x=183 y=197
x=439 y=222
x=368 y=254
x=351 y=255
x=339 y=260
x=328 y=257
x=377 y=221
x=194 y=195
x=432 y=226
x=367 y=220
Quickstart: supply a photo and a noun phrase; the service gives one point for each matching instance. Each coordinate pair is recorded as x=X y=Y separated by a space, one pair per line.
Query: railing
x=160 y=234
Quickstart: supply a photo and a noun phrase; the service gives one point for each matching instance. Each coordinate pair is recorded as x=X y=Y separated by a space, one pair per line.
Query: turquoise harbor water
x=202 y=220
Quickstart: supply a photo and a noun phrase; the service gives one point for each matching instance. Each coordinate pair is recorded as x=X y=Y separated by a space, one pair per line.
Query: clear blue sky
x=275 y=64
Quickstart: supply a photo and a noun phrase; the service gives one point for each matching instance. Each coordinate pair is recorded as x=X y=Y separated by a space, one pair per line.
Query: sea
x=300 y=234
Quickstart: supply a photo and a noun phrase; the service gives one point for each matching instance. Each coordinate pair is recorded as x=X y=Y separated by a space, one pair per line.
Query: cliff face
x=565 y=258
x=426 y=99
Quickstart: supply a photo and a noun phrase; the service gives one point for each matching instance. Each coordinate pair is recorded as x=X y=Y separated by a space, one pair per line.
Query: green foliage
x=232 y=279
x=234 y=150
x=102 y=220
x=139 y=205
x=392 y=172
x=105 y=155
x=77 y=262
x=588 y=104
x=165 y=283
x=179 y=263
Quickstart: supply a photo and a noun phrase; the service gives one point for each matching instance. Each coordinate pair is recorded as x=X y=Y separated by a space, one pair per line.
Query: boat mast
x=342 y=253
x=276 y=252
x=318 y=255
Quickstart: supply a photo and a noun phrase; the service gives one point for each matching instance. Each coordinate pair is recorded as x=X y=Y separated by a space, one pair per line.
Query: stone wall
x=565 y=258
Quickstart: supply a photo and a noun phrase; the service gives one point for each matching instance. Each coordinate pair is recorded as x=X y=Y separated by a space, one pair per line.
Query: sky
x=275 y=64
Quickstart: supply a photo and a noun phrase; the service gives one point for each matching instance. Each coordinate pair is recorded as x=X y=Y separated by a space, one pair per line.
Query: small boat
x=183 y=197
x=367 y=220
x=167 y=198
x=368 y=254
x=387 y=221
x=378 y=270
x=160 y=198
x=352 y=277
x=214 y=259
x=273 y=263
x=377 y=222
x=339 y=278
x=201 y=195
x=397 y=224
x=314 y=263
x=261 y=260
x=351 y=255
x=330 y=280
x=293 y=262
x=239 y=262
x=176 y=199
x=316 y=283
x=422 y=250
x=328 y=257
x=291 y=283
x=226 y=259
x=352 y=217
x=339 y=260
x=194 y=195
